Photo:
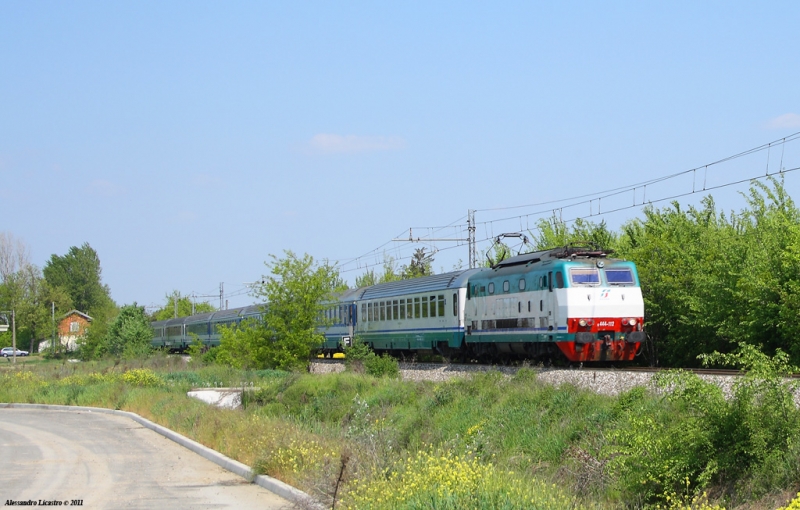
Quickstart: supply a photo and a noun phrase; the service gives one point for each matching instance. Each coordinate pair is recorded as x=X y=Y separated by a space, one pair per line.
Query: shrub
x=142 y=377
x=359 y=357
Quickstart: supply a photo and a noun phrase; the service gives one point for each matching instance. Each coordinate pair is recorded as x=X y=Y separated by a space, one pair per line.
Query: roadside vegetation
x=486 y=441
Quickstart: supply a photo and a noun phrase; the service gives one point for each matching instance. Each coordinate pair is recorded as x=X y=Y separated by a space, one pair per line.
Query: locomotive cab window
x=506 y=286
x=491 y=288
x=522 y=284
x=619 y=276
x=584 y=276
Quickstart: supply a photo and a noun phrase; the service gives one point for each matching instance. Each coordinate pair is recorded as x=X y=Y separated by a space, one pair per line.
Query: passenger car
x=9 y=351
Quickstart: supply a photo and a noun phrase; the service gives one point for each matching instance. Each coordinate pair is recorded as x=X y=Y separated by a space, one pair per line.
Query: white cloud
x=785 y=121
x=104 y=188
x=324 y=142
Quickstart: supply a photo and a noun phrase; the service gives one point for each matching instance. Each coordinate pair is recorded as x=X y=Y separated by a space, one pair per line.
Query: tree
x=130 y=334
x=389 y=274
x=554 y=233
x=79 y=273
x=420 y=265
x=295 y=294
x=185 y=307
x=14 y=255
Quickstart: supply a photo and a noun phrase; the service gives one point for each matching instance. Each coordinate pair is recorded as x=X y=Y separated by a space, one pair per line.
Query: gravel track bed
x=604 y=382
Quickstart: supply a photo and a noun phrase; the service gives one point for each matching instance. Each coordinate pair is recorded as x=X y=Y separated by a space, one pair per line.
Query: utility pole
x=14 y=333
x=471 y=243
x=193 y=298
x=473 y=250
x=175 y=301
x=53 y=341
x=221 y=294
x=4 y=328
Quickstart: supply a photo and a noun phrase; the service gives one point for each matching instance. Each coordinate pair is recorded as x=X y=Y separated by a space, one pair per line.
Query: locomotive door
x=549 y=308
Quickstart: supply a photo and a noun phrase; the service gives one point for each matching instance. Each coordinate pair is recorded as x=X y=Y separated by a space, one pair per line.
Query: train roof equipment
x=570 y=251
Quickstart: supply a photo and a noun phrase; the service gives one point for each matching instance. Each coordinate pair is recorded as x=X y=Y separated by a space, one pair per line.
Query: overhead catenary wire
x=570 y=202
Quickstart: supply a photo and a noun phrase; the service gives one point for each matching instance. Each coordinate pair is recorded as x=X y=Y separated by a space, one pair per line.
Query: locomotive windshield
x=619 y=276
x=584 y=276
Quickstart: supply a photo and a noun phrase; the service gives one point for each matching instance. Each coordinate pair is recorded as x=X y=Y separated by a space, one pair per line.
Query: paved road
x=108 y=461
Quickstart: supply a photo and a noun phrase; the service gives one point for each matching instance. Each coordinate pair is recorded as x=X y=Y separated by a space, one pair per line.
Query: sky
x=188 y=141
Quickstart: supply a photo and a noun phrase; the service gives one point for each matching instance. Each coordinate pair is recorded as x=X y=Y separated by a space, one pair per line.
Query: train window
x=455 y=304
x=619 y=276
x=544 y=282
x=363 y=311
x=402 y=309
x=395 y=313
x=417 y=308
x=383 y=310
x=409 y=309
x=424 y=307
x=559 y=280
x=506 y=286
x=491 y=288
x=483 y=289
x=584 y=276
x=369 y=312
x=433 y=306
x=388 y=310
x=522 y=284
x=442 y=304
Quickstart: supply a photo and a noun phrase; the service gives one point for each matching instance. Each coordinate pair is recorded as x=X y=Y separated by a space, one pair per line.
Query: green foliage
x=185 y=307
x=79 y=273
x=696 y=437
x=94 y=344
x=129 y=336
x=711 y=281
x=359 y=357
x=287 y=334
x=553 y=232
x=31 y=296
x=420 y=265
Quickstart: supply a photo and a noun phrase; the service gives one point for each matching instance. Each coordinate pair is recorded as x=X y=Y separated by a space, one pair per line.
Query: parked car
x=9 y=351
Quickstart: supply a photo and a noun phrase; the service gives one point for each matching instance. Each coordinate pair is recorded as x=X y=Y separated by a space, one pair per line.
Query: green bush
x=359 y=357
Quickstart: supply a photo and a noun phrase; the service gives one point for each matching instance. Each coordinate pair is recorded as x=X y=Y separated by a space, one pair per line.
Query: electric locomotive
x=572 y=300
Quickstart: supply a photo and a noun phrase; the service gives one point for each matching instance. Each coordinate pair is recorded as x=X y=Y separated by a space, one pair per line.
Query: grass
x=487 y=441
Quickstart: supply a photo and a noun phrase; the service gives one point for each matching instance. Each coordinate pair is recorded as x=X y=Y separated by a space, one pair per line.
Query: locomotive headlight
x=632 y=322
x=582 y=323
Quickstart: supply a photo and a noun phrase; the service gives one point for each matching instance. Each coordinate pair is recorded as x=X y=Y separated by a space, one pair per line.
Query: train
x=571 y=303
